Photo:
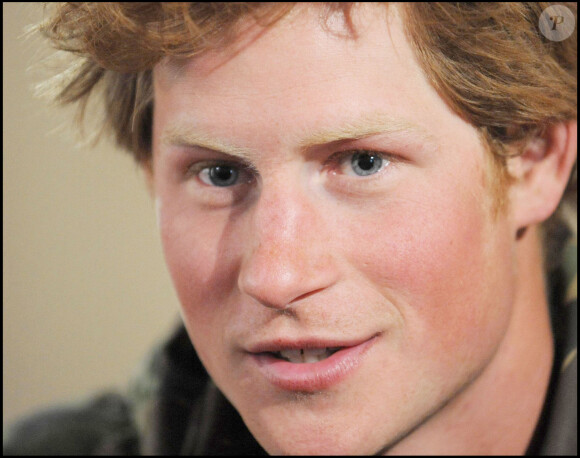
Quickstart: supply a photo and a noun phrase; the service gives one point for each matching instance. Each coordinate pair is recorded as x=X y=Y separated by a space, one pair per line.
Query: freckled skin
x=414 y=254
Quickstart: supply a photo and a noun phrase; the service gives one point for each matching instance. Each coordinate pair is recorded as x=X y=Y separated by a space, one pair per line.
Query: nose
x=288 y=255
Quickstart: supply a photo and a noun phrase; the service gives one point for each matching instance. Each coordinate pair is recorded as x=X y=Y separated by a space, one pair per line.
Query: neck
x=498 y=412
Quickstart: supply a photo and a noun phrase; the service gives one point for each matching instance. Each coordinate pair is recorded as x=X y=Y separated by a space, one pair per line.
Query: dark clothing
x=174 y=408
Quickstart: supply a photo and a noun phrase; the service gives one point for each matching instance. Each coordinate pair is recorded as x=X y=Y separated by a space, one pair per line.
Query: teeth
x=307 y=355
x=294 y=356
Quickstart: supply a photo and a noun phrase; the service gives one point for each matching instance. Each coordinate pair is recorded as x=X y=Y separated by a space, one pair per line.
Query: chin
x=317 y=440
x=316 y=446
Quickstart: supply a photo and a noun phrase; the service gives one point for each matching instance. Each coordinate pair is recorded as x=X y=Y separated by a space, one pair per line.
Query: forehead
x=301 y=35
x=301 y=73
x=247 y=31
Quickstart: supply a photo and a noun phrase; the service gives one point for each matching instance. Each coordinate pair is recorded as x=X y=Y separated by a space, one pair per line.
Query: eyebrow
x=365 y=126
x=182 y=135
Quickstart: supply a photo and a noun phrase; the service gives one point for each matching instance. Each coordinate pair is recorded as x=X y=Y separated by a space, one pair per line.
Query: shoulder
x=101 y=425
x=558 y=428
x=157 y=402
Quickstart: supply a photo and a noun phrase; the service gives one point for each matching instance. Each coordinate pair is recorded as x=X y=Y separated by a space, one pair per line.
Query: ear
x=541 y=174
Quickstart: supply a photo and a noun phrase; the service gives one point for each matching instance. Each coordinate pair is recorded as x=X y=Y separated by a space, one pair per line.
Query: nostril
x=306 y=295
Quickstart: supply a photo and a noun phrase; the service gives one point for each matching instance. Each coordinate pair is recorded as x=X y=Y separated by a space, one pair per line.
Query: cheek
x=202 y=274
x=438 y=262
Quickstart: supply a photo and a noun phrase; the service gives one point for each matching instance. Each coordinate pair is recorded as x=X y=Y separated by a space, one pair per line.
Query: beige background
x=86 y=291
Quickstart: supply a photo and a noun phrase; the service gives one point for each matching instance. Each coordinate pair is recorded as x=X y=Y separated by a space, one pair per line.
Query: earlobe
x=541 y=174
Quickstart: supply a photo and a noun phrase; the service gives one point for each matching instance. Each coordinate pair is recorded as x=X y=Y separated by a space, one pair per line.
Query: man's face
x=316 y=193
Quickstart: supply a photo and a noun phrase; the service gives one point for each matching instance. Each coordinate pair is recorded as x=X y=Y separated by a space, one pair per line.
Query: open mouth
x=309 y=366
x=305 y=355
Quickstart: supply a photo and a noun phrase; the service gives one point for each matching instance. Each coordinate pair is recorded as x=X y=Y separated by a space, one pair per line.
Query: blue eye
x=219 y=175
x=366 y=163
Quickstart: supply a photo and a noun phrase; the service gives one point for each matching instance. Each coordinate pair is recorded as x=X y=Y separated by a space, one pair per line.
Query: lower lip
x=308 y=377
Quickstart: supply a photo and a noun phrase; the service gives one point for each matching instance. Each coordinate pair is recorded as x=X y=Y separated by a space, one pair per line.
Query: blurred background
x=86 y=290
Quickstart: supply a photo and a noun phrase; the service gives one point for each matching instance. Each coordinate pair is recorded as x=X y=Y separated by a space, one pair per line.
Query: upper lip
x=285 y=343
